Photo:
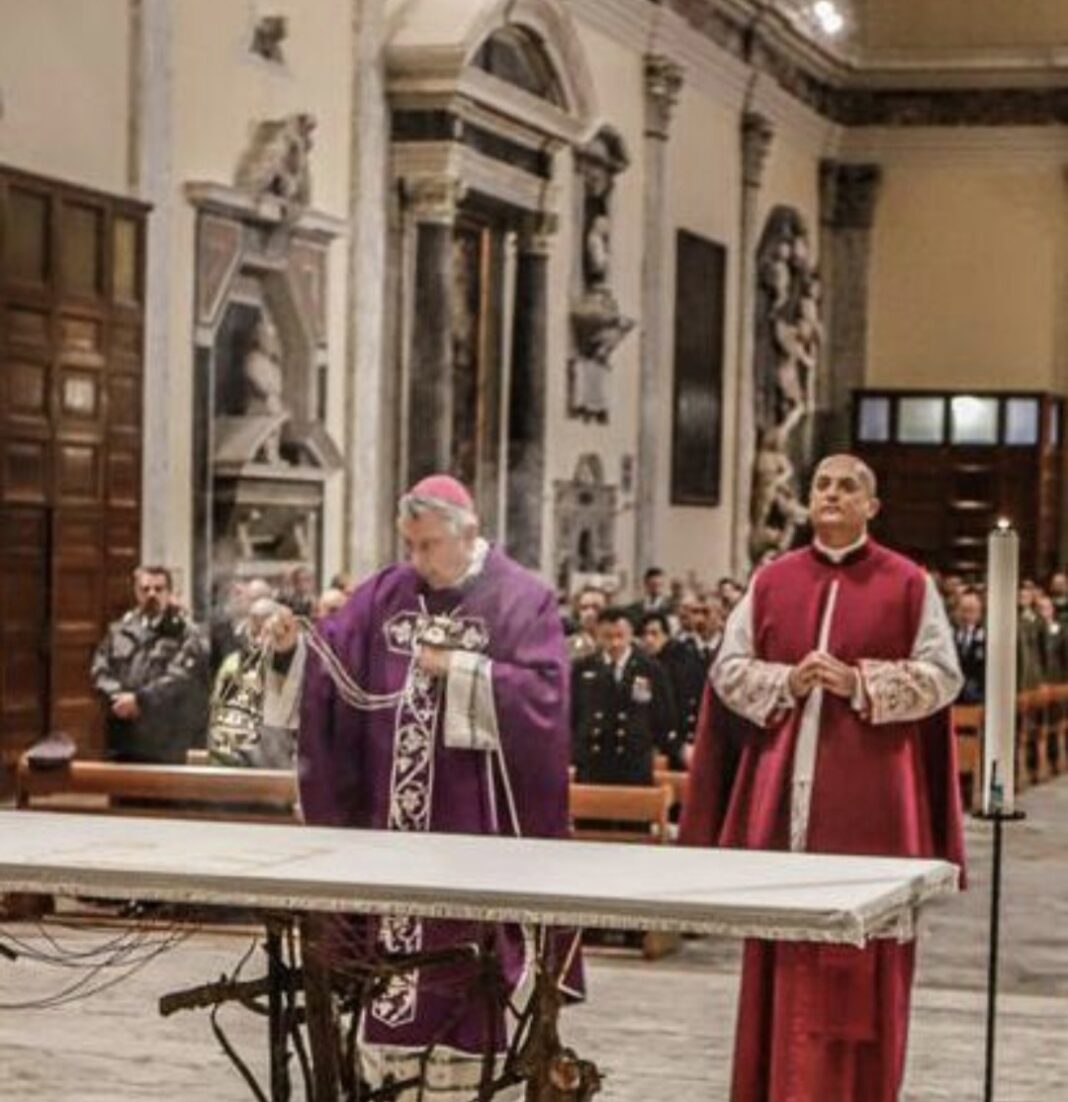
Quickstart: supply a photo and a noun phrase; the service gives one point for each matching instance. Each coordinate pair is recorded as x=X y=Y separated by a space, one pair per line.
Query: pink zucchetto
x=445 y=488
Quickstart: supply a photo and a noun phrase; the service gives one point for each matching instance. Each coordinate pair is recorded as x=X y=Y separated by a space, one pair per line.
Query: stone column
x=433 y=206
x=848 y=196
x=756 y=137
x=150 y=174
x=370 y=447
x=530 y=362
x=663 y=82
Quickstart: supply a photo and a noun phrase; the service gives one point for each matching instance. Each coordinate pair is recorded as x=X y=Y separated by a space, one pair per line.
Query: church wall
x=704 y=187
x=968 y=277
x=968 y=267
x=220 y=90
x=703 y=195
x=617 y=76
x=705 y=182
x=64 y=79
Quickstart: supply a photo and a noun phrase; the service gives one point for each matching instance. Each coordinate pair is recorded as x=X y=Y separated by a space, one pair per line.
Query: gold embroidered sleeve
x=746 y=684
x=929 y=679
x=901 y=691
x=754 y=689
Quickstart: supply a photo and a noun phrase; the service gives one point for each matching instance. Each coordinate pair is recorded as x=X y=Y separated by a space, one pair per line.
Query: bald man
x=827 y=732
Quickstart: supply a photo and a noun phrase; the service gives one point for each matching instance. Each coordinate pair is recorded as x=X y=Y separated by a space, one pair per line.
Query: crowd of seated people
x=638 y=674
x=639 y=668
x=1042 y=635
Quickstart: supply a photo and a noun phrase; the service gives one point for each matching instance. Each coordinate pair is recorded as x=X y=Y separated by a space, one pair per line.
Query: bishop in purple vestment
x=478 y=744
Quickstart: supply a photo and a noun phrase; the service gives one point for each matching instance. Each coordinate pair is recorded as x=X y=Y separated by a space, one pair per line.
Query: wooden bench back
x=642 y=808
x=185 y=790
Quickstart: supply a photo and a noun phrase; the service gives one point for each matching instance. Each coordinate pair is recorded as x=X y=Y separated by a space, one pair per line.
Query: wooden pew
x=677 y=780
x=1031 y=725
x=1042 y=736
x=193 y=791
x=1058 y=722
x=968 y=727
x=645 y=809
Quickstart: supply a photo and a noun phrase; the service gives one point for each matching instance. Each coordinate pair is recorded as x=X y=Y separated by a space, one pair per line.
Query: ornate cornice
x=434 y=198
x=952 y=107
x=846 y=92
x=663 y=83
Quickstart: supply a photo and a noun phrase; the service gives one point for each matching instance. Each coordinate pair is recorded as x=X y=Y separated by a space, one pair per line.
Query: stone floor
x=659 y=1031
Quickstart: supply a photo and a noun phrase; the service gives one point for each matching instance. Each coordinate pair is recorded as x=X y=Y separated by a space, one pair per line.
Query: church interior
x=626 y=269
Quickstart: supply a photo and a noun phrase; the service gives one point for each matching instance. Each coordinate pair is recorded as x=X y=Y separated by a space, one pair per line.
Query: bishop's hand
x=433 y=660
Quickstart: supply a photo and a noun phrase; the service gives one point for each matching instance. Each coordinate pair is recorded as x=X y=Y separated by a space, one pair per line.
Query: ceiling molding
x=999 y=148
x=943 y=92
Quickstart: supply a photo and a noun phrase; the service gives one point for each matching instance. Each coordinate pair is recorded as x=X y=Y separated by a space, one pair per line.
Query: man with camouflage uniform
x=151 y=669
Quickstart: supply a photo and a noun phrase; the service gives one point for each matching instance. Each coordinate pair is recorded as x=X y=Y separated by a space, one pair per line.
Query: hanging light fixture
x=818 y=18
x=829 y=17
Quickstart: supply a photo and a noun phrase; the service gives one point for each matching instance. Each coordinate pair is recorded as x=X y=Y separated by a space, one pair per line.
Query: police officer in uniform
x=151 y=671
x=621 y=708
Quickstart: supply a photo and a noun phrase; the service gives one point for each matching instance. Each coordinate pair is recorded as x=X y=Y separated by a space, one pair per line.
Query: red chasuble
x=827 y=1023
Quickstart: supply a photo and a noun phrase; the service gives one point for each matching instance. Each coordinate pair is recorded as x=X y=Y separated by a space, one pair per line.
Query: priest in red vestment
x=826 y=730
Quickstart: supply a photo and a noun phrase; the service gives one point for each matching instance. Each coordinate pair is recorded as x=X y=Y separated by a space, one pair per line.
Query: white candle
x=999 y=732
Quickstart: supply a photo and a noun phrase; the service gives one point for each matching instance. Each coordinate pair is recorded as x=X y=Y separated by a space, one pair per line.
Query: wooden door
x=71 y=277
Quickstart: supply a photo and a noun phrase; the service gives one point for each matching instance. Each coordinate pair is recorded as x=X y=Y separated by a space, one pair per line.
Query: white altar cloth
x=733 y=893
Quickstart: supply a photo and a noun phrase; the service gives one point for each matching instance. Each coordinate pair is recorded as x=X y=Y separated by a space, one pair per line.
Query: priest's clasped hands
x=818 y=668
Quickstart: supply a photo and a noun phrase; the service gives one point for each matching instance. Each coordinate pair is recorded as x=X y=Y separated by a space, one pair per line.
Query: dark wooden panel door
x=71 y=264
x=24 y=690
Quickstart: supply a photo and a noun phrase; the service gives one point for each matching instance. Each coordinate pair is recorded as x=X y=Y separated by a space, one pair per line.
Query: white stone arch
x=431 y=46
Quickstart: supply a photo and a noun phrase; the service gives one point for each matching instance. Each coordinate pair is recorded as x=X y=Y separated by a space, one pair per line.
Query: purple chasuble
x=389 y=769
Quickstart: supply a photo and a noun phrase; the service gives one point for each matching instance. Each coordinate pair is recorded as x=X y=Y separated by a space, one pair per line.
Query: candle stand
x=998 y=817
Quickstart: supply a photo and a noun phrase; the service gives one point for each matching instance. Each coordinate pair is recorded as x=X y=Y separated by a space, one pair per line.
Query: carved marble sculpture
x=789 y=337
x=268 y=36
x=776 y=511
x=264 y=380
x=277 y=161
x=597 y=323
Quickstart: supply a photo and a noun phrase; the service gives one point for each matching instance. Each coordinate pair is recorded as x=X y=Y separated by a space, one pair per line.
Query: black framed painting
x=697 y=404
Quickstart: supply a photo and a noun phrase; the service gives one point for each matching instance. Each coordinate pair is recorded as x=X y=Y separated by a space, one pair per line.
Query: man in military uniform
x=687 y=660
x=151 y=669
x=621 y=709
